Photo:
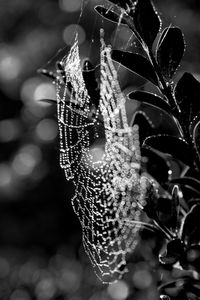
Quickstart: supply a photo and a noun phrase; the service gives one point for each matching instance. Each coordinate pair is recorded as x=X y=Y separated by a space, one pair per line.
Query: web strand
x=109 y=189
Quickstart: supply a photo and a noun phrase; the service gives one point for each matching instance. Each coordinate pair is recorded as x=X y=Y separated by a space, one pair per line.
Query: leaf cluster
x=174 y=207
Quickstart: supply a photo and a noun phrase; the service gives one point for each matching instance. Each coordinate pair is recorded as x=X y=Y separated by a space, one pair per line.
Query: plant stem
x=168 y=234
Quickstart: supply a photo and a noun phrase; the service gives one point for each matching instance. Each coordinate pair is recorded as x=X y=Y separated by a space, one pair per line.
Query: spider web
x=108 y=191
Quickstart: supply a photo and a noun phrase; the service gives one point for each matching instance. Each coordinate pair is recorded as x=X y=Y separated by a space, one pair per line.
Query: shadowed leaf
x=173 y=252
x=156 y=165
x=144 y=123
x=49 y=101
x=195 y=132
x=189 y=181
x=109 y=14
x=191 y=226
x=187 y=93
x=137 y=64
x=151 y=99
x=146 y=21
x=174 y=146
x=169 y=54
x=91 y=82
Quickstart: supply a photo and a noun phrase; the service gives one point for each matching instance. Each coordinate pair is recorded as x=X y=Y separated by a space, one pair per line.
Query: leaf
x=195 y=132
x=144 y=123
x=146 y=21
x=184 y=288
x=169 y=54
x=109 y=15
x=125 y=4
x=189 y=181
x=191 y=226
x=137 y=64
x=187 y=93
x=177 y=147
x=151 y=99
x=49 y=101
x=174 y=250
x=156 y=165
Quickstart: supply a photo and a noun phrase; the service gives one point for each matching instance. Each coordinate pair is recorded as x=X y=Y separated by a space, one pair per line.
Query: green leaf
x=169 y=54
x=151 y=99
x=187 y=93
x=146 y=21
x=137 y=64
x=191 y=226
x=175 y=146
x=109 y=14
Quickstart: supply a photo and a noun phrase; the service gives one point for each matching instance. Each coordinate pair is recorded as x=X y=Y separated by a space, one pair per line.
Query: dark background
x=40 y=237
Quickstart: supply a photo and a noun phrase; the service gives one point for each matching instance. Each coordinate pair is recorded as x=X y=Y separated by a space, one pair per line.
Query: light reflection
x=44 y=91
x=10 y=130
x=47 y=130
x=45 y=289
x=142 y=279
x=10 y=66
x=118 y=290
x=70 y=5
x=20 y=294
x=4 y=267
x=5 y=175
x=26 y=160
x=28 y=89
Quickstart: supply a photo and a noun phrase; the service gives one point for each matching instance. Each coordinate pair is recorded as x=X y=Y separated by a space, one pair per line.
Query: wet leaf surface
x=137 y=64
x=146 y=21
x=191 y=226
x=151 y=99
x=174 y=146
x=169 y=56
x=187 y=93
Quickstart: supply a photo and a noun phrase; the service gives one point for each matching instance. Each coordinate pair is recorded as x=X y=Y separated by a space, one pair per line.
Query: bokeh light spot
x=26 y=159
x=9 y=130
x=10 y=66
x=20 y=294
x=4 y=267
x=142 y=279
x=118 y=290
x=28 y=89
x=70 y=5
x=45 y=289
x=69 y=34
x=47 y=130
x=44 y=91
x=5 y=175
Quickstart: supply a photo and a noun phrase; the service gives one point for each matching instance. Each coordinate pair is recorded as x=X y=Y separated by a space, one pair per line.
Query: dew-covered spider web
x=108 y=189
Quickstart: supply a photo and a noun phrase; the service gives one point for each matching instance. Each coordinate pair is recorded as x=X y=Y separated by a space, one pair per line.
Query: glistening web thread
x=107 y=191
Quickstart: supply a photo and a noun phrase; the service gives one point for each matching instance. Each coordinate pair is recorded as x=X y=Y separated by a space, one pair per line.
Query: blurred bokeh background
x=41 y=255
